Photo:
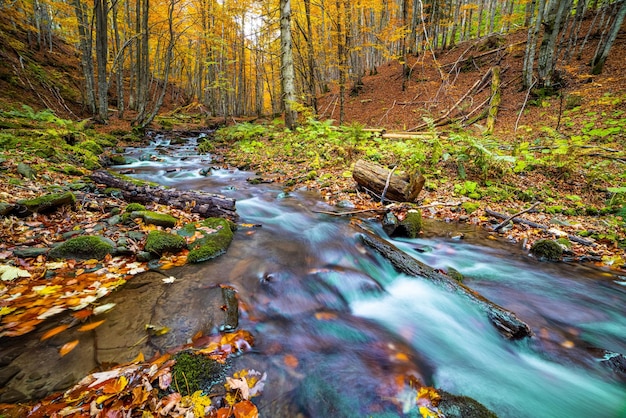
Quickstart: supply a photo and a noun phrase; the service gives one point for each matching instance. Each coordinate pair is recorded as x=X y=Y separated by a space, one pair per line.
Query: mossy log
x=391 y=186
x=504 y=321
x=206 y=204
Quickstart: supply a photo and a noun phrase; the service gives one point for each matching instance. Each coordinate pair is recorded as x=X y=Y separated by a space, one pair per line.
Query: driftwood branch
x=205 y=204
x=570 y=237
x=515 y=215
x=504 y=321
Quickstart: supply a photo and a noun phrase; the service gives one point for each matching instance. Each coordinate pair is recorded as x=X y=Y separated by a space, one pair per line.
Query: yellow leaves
x=67 y=347
x=5 y=310
x=198 y=402
x=54 y=331
x=615 y=261
x=45 y=290
x=427 y=400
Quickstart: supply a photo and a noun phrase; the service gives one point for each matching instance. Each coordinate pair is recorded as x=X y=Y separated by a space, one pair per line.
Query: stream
x=335 y=324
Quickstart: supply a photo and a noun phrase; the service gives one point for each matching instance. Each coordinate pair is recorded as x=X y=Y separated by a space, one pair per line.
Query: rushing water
x=330 y=317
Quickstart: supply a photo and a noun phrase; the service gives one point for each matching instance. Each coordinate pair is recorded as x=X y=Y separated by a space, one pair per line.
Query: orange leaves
x=67 y=347
x=54 y=331
x=243 y=409
x=290 y=361
x=89 y=327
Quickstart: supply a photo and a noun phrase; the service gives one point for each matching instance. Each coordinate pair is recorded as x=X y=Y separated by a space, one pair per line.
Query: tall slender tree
x=286 y=65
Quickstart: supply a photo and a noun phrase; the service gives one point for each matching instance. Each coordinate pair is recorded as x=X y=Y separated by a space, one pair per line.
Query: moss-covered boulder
x=161 y=242
x=409 y=227
x=49 y=202
x=216 y=236
x=134 y=207
x=155 y=218
x=547 y=249
x=82 y=248
x=194 y=372
x=117 y=159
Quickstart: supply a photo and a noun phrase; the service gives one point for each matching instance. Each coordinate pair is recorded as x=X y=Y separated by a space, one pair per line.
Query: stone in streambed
x=547 y=249
x=160 y=242
x=409 y=227
x=216 y=236
x=455 y=406
x=155 y=218
x=83 y=248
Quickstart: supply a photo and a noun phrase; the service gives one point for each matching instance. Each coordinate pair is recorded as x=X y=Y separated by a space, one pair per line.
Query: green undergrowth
x=62 y=143
x=481 y=168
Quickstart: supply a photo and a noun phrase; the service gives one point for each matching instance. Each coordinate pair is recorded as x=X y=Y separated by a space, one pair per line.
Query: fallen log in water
x=505 y=321
x=205 y=204
x=386 y=184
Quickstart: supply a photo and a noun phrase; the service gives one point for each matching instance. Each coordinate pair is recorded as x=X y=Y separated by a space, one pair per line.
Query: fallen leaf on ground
x=67 y=347
x=89 y=327
x=54 y=331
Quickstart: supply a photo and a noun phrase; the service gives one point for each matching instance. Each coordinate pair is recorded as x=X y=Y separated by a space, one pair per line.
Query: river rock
x=161 y=242
x=216 y=236
x=49 y=202
x=546 y=249
x=455 y=406
x=83 y=248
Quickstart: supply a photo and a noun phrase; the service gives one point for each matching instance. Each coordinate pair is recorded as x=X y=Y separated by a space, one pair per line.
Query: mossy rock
x=410 y=226
x=117 y=159
x=155 y=218
x=455 y=274
x=92 y=146
x=456 y=406
x=161 y=242
x=82 y=248
x=49 y=202
x=547 y=249
x=134 y=207
x=194 y=372
x=217 y=234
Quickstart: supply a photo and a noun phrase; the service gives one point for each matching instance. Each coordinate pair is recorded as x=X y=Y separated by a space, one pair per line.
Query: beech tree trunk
x=86 y=58
x=400 y=187
x=597 y=63
x=101 y=12
x=205 y=204
x=286 y=63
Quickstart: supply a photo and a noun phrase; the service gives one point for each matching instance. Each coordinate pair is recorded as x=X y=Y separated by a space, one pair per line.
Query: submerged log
x=386 y=184
x=505 y=321
x=205 y=204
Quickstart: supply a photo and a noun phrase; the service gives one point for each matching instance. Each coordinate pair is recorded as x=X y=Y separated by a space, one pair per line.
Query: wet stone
x=7 y=373
x=29 y=252
x=12 y=396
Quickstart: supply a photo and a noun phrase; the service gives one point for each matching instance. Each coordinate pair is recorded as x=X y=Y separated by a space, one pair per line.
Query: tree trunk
x=86 y=58
x=205 y=204
x=597 y=63
x=548 y=51
x=531 y=44
x=494 y=101
x=101 y=12
x=504 y=321
x=386 y=184
x=310 y=57
x=286 y=65
x=341 y=62
x=167 y=66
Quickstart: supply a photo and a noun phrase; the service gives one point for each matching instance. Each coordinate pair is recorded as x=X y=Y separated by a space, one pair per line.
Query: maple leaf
x=9 y=273
x=240 y=384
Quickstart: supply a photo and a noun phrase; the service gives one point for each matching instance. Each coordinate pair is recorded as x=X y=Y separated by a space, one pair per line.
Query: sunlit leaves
x=145 y=389
x=67 y=347
x=8 y=273
x=54 y=331
x=89 y=327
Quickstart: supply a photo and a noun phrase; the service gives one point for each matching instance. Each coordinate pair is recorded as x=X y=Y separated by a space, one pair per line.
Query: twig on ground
x=515 y=215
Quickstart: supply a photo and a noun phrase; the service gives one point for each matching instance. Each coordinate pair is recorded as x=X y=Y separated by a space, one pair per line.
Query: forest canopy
x=229 y=57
